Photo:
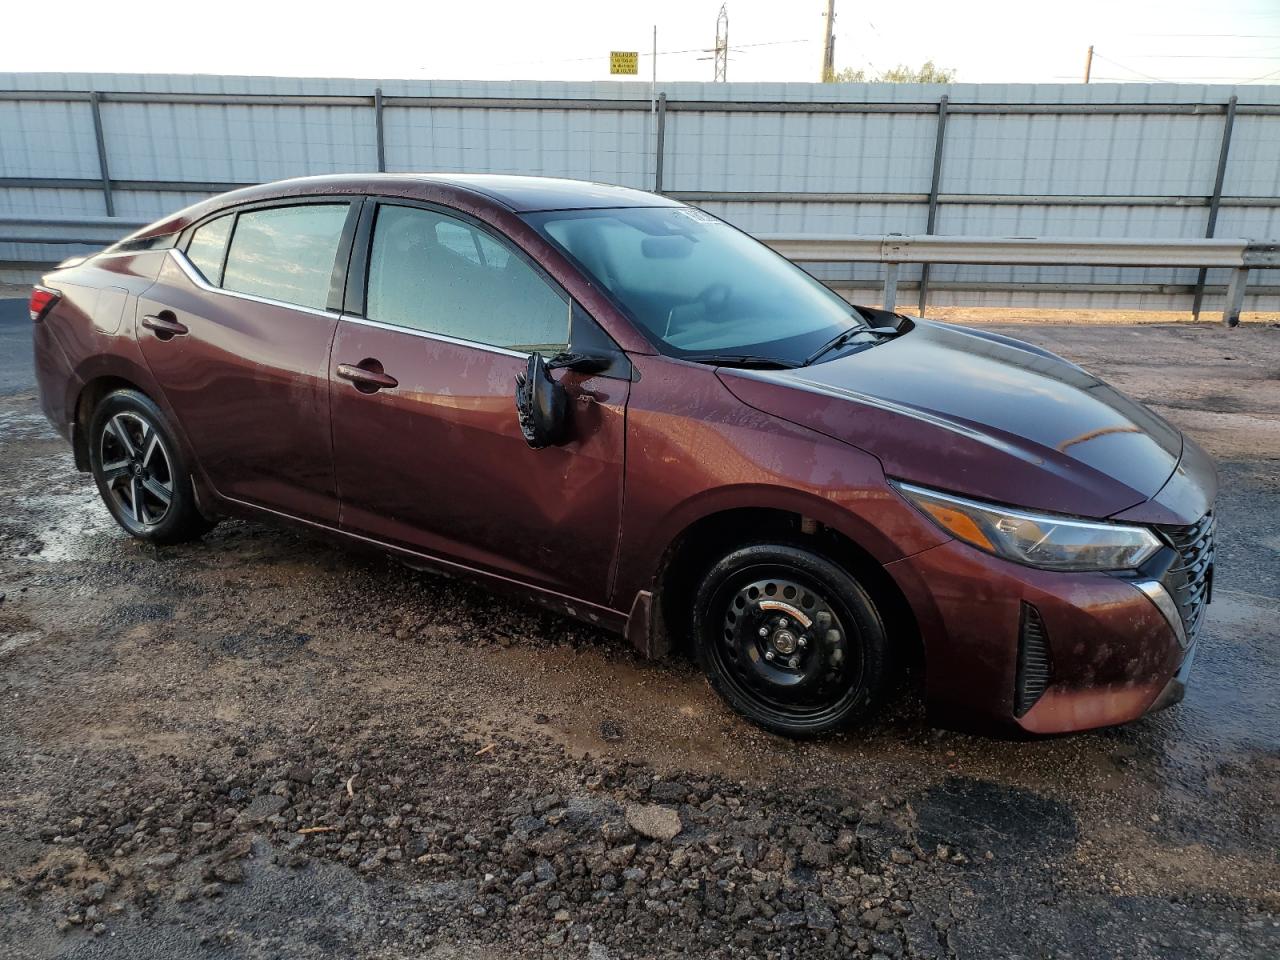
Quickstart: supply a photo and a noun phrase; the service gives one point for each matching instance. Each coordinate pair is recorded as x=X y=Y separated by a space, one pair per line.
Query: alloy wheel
x=137 y=470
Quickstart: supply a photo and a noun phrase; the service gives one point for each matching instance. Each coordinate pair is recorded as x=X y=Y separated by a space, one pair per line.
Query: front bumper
x=1112 y=654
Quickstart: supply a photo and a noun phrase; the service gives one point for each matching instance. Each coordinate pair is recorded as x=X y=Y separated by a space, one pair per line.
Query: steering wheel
x=715 y=298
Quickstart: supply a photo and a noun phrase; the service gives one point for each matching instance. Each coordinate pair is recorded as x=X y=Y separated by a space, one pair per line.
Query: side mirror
x=579 y=363
x=541 y=405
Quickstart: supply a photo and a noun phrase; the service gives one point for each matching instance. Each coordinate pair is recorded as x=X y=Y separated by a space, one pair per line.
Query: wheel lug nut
x=768 y=654
x=764 y=631
x=802 y=643
x=793 y=662
x=782 y=624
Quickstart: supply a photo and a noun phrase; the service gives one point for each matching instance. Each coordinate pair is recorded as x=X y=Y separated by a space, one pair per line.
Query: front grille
x=1190 y=579
x=1034 y=666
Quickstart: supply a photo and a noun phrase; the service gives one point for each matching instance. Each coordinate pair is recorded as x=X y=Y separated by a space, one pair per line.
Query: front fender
x=695 y=450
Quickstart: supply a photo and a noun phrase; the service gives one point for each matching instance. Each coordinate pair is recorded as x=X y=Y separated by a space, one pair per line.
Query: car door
x=237 y=331
x=428 y=451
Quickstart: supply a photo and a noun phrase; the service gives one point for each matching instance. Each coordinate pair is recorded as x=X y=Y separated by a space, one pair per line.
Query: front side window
x=696 y=285
x=438 y=274
x=207 y=246
x=286 y=253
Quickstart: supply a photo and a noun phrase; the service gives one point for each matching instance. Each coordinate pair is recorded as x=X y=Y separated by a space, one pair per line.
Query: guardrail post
x=1235 y=297
x=95 y=101
x=1215 y=201
x=933 y=195
x=659 y=147
x=377 y=122
x=890 y=286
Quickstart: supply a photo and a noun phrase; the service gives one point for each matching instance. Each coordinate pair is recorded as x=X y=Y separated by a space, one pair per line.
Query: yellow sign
x=624 y=61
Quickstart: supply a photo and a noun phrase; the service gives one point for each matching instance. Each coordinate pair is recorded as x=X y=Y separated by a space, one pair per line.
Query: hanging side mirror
x=580 y=362
x=541 y=405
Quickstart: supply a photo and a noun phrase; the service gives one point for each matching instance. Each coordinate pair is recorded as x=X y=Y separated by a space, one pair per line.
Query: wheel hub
x=783 y=641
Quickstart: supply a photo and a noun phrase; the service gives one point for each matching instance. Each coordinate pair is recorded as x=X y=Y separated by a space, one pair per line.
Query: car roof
x=517 y=194
x=524 y=194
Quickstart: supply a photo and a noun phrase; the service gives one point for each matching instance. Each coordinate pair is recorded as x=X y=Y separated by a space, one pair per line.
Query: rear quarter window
x=207 y=247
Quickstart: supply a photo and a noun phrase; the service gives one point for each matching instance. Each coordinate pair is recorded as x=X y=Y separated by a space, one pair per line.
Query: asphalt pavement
x=15 y=348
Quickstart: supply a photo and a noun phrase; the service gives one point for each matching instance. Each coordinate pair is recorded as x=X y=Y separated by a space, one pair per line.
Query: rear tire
x=789 y=639
x=140 y=470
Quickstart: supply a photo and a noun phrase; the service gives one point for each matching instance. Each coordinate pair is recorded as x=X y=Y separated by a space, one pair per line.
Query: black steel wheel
x=140 y=472
x=789 y=639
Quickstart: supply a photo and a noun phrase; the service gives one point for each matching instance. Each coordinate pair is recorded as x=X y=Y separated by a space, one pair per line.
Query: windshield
x=697 y=286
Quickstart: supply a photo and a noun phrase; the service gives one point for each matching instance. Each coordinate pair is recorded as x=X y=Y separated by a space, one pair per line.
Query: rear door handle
x=165 y=327
x=367 y=376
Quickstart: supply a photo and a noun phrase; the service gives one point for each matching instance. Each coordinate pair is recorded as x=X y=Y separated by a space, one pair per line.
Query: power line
x=737 y=47
x=1238 y=81
x=1214 y=36
x=1130 y=69
x=1200 y=56
x=1148 y=76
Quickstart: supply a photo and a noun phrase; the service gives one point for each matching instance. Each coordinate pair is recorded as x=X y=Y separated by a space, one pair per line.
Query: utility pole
x=722 y=45
x=1088 y=63
x=653 y=101
x=829 y=45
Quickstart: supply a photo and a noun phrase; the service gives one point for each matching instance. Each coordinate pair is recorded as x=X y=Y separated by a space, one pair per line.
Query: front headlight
x=1035 y=539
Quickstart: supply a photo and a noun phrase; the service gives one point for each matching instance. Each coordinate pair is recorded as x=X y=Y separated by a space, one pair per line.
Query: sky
x=1005 y=41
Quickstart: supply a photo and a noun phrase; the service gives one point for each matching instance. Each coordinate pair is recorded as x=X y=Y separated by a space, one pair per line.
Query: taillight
x=42 y=301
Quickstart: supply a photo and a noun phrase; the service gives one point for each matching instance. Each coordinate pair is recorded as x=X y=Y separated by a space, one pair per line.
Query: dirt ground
x=264 y=746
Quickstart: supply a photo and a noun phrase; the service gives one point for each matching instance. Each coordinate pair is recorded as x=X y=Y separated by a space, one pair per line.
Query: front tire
x=140 y=472
x=789 y=639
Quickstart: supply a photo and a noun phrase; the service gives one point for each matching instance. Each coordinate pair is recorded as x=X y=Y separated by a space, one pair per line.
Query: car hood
x=980 y=414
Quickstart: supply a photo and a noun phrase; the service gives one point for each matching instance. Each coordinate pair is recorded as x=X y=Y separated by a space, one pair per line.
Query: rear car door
x=237 y=332
x=428 y=451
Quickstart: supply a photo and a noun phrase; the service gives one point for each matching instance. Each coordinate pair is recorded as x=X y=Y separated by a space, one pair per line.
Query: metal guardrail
x=1239 y=256
x=893 y=250
x=69 y=230
x=637 y=103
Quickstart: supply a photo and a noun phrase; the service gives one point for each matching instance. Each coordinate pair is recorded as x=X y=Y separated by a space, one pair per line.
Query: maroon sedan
x=631 y=411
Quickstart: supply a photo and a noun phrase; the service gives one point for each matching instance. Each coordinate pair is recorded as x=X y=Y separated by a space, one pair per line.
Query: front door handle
x=367 y=375
x=164 y=325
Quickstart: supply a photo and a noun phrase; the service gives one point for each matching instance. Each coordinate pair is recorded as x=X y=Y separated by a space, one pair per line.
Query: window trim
x=341 y=260
x=193 y=274
x=438 y=337
x=357 y=287
x=350 y=274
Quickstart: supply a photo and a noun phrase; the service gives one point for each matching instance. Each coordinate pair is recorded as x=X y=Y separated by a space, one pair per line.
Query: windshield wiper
x=838 y=341
x=740 y=360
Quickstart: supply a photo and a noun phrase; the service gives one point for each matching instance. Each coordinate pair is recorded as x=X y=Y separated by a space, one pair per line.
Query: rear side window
x=207 y=246
x=438 y=274
x=286 y=253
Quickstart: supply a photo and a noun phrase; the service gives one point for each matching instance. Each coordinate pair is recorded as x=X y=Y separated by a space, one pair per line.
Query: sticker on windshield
x=695 y=214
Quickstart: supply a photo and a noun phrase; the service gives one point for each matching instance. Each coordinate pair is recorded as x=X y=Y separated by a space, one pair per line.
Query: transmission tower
x=722 y=44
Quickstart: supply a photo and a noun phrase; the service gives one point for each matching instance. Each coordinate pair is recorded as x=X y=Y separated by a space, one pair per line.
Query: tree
x=928 y=72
